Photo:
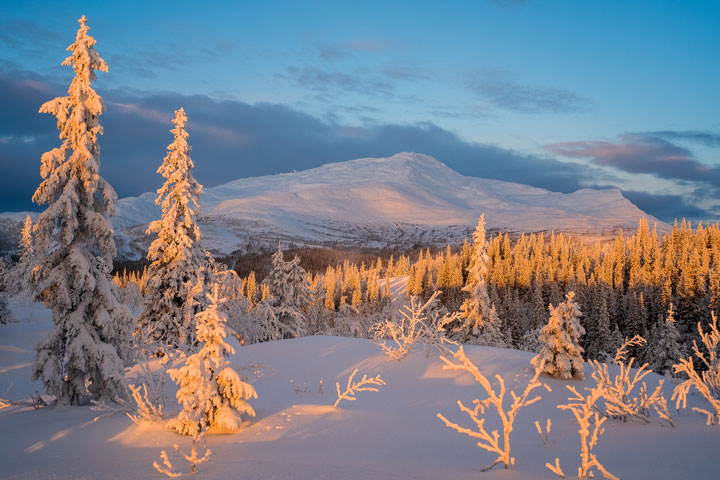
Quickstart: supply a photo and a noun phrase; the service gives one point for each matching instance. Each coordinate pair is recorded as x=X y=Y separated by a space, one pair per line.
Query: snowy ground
x=391 y=434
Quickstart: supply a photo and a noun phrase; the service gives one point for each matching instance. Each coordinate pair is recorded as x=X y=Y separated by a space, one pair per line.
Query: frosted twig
x=582 y=408
x=555 y=468
x=543 y=436
x=490 y=441
x=198 y=441
x=622 y=352
x=146 y=410
x=706 y=382
x=361 y=386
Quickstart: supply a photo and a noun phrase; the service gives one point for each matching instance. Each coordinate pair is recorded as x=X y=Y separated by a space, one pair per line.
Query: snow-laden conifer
x=211 y=391
x=175 y=254
x=665 y=347
x=561 y=356
x=480 y=324
x=21 y=281
x=6 y=315
x=289 y=295
x=82 y=353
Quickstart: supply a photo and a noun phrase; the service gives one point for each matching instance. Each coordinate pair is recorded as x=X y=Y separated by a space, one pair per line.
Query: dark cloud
x=708 y=139
x=333 y=83
x=232 y=139
x=668 y=207
x=642 y=154
x=503 y=92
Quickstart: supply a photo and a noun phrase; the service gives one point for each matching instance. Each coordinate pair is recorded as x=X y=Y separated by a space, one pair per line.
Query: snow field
x=389 y=434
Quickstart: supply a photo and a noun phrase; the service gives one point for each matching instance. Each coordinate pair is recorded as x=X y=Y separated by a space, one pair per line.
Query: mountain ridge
x=398 y=201
x=408 y=197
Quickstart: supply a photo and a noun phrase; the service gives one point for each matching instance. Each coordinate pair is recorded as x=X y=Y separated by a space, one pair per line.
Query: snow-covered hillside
x=389 y=434
x=404 y=199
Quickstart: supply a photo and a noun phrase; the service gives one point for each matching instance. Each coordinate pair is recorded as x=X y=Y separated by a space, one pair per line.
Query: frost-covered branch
x=556 y=468
x=490 y=441
x=706 y=382
x=396 y=336
x=590 y=422
x=364 y=385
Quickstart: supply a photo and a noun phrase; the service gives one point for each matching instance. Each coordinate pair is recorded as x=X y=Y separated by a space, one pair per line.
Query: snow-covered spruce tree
x=211 y=392
x=175 y=254
x=664 y=345
x=289 y=295
x=82 y=353
x=561 y=356
x=6 y=315
x=21 y=281
x=479 y=322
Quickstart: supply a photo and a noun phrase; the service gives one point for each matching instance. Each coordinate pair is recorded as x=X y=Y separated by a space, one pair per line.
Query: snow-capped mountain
x=405 y=199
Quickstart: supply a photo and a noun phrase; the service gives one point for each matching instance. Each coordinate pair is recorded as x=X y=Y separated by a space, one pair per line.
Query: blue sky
x=557 y=94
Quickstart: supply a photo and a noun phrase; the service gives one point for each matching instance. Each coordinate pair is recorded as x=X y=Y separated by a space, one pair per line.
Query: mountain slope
x=404 y=199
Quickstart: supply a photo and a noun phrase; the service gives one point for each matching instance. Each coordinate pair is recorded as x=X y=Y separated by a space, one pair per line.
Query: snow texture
x=384 y=435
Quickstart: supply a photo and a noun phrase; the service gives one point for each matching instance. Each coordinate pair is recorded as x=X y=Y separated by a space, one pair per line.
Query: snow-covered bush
x=82 y=353
x=418 y=323
x=617 y=390
x=211 y=392
x=491 y=441
x=590 y=423
x=560 y=354
x=175 y=254
x=706 y=382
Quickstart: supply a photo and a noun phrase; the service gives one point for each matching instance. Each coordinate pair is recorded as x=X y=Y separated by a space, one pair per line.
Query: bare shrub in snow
x=417 y=324
x=590 y=422
x=706 y=382
x=617 y=390
x=365 y=384
x=193 y=458
x=491 y=441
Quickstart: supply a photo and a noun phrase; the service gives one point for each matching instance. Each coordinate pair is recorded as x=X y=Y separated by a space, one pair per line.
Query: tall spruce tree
x=480 y=324
x=82 y=353
x=175 y=254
